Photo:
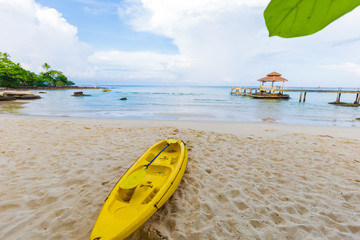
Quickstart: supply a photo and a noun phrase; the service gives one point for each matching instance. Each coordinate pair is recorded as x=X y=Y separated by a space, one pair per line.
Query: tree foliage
x=295 y=18
x=13 y=75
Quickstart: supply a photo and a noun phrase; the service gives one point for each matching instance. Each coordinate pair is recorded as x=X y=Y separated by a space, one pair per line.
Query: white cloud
x=228 y=40
x=168 y=17
x=139 y=66
x=34 y=34
x=219 y=42
x=349 y=66
x=210 y=33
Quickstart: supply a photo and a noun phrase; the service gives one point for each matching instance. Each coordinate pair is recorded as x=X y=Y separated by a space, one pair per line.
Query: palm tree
x=46 y=66
x=5 y=56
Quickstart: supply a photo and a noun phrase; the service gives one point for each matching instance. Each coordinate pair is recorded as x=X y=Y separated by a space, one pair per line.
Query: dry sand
x=243 y=181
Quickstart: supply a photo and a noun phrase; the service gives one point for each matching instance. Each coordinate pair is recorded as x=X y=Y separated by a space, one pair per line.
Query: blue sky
x=99 y=24
x=179 y=42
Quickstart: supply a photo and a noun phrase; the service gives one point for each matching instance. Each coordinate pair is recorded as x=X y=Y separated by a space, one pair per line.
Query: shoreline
x=243 y=180
x=234 y=127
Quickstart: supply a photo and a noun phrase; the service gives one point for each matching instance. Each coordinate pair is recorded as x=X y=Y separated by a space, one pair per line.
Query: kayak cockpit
x=156 y=176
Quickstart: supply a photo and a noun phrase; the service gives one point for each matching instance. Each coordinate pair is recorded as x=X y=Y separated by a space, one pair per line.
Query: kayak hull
x=125 y=210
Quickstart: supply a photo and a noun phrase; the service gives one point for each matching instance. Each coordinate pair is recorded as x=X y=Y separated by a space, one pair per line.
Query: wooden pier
x=250 y=91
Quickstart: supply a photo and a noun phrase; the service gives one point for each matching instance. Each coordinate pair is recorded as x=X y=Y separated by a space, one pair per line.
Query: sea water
x=193 y=103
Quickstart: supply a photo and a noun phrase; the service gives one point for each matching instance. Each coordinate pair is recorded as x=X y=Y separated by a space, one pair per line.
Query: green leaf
x=295 y=18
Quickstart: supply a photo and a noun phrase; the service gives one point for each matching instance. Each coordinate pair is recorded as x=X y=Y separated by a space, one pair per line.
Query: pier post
x=300 y=96
x=338 y=97
x=304 y=96
x=357 y=99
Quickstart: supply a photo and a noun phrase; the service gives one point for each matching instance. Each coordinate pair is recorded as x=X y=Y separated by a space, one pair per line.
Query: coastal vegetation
x=12 y=75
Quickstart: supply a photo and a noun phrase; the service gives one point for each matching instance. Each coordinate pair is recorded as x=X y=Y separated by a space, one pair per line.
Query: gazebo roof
x=273 y=77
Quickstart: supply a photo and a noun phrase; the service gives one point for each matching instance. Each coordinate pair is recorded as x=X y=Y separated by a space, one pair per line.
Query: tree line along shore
x=12 y=75
x=47 y=88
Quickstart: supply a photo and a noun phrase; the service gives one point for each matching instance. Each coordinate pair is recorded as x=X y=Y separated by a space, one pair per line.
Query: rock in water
x=20 y=95
x=79 y=94
x=2 y=98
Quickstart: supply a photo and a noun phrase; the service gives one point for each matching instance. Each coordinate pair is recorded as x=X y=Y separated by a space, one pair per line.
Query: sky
x=174 y=42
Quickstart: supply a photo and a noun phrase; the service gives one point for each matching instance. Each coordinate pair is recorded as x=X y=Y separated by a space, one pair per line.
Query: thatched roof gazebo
x=273 y=78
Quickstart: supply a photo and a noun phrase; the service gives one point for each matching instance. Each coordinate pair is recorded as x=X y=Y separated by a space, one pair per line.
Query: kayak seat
x=125 y=195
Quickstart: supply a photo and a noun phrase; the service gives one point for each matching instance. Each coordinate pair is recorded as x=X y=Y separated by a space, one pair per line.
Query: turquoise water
x=193 y=103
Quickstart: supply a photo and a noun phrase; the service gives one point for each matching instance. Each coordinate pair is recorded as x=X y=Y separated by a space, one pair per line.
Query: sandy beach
x=243 y=180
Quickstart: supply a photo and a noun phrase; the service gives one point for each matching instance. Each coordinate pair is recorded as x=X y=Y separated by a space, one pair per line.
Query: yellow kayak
x=106 y=90
x=142 y=190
